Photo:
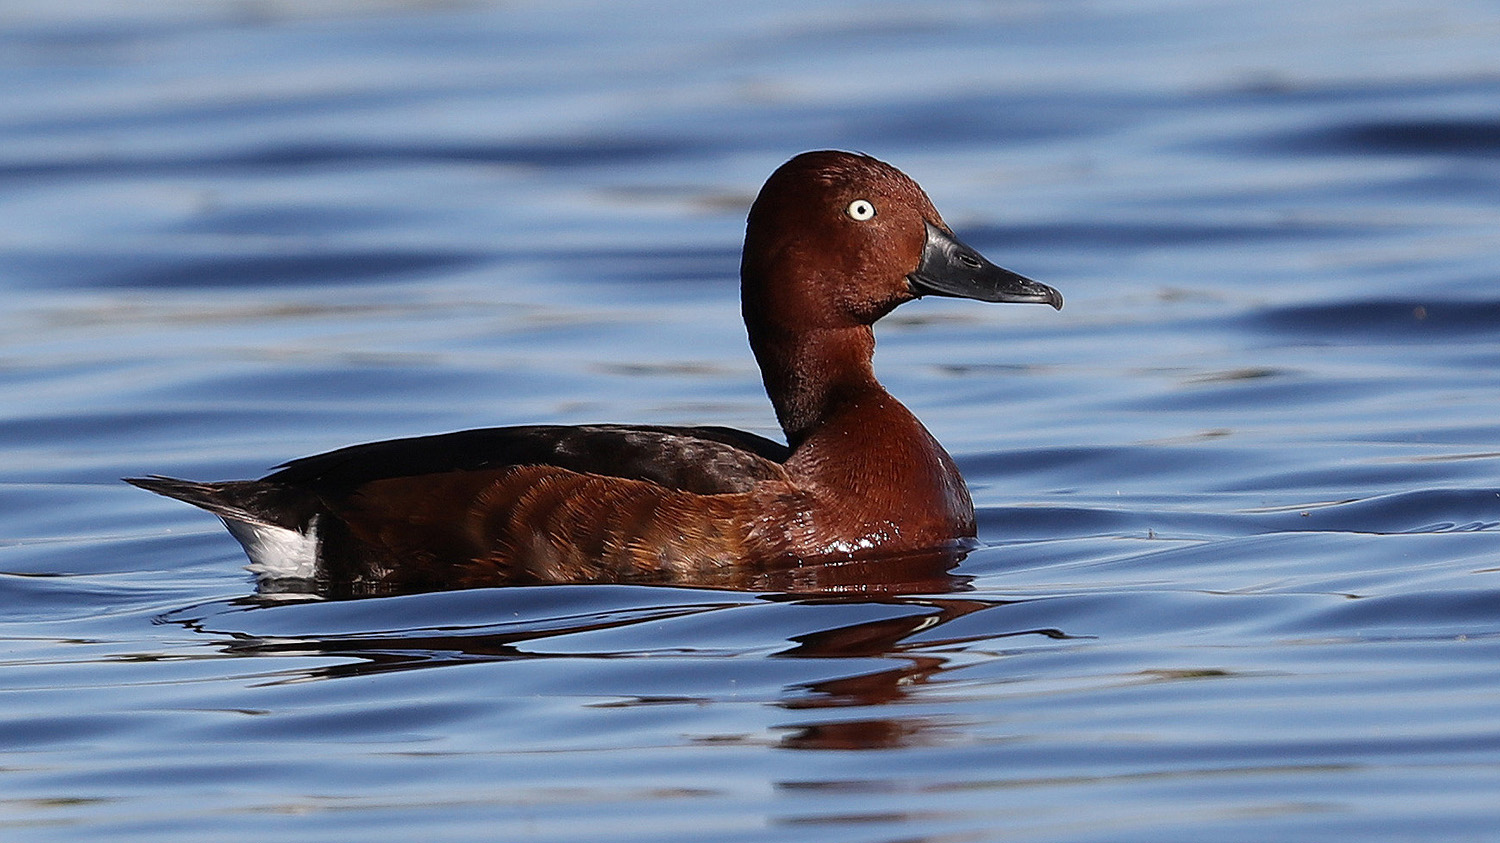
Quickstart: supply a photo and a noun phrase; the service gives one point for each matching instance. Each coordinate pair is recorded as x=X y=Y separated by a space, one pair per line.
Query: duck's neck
x=884 y=478
x=809 y=374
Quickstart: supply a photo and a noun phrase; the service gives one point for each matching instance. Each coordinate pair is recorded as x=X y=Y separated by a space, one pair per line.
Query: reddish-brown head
x=831 y=239
x=838 y=239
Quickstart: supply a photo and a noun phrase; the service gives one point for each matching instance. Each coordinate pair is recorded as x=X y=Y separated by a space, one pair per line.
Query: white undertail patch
x=277 y=553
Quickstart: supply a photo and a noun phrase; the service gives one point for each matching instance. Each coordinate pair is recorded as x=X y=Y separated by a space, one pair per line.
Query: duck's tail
x=248 y=501
x=277 y=526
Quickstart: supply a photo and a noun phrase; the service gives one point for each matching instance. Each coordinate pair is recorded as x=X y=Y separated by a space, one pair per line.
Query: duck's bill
x=952 y=268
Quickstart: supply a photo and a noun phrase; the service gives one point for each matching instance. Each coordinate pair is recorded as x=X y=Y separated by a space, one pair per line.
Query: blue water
x=1239 y=501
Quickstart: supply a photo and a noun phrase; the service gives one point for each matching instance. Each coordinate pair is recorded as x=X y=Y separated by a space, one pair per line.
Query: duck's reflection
x=913 y=666
x=904 y=647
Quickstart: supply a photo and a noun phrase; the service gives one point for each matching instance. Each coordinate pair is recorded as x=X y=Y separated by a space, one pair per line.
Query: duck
x=833 y=242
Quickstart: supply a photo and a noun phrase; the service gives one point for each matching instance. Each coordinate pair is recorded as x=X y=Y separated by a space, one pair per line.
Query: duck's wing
x=702 y=460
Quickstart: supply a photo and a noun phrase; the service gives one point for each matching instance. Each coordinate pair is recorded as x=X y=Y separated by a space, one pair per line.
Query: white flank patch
x=277 y=553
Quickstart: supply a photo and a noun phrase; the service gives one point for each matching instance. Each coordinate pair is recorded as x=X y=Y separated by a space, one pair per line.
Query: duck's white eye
x=860 y=210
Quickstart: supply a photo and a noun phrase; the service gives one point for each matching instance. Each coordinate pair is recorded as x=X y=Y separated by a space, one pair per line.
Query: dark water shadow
x=1415 y=320
x=705 y=268
x=548 y=152
x=1467 y=137
x=285 y=270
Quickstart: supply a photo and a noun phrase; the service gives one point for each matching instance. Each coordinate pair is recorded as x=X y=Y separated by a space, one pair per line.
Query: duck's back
x=702 y=460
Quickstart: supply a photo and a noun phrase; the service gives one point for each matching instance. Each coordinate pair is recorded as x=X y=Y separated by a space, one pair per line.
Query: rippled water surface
x=1239 y=501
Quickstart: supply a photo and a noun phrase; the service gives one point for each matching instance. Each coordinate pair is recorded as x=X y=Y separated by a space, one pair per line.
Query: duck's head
x=839 y=239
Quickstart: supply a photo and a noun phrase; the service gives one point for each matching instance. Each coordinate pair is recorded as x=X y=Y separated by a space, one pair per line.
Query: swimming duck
x=834 y=241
